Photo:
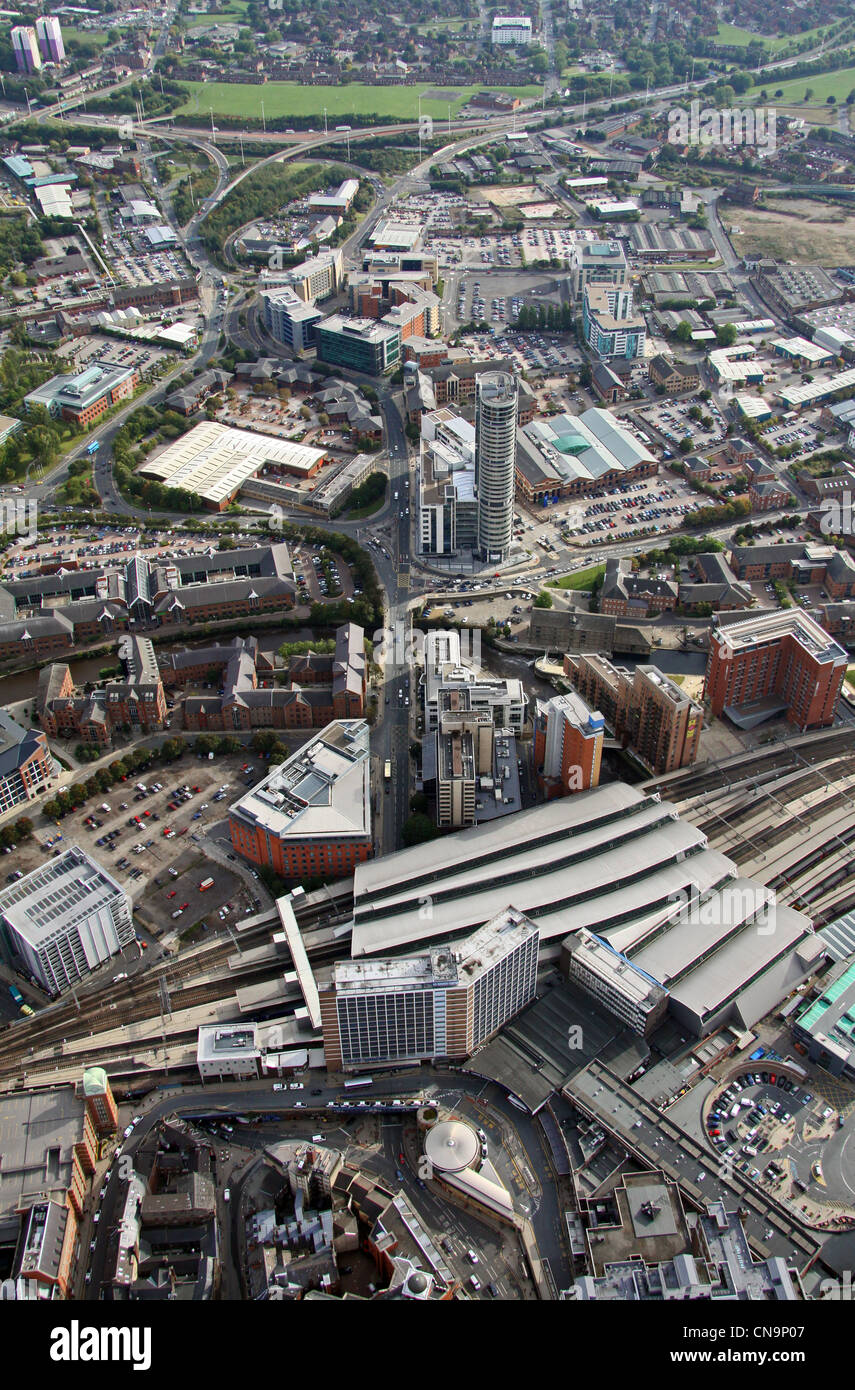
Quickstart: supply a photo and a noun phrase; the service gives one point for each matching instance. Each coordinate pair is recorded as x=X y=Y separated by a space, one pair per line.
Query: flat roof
x=56 y=895
x=321 y=792
x=772 y=626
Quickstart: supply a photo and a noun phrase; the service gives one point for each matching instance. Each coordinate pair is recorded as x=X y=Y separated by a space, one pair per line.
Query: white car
x=128 y=1132
x=277 y=1086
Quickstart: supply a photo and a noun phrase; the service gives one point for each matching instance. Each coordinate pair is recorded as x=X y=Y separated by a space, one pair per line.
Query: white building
x=65 y=919
x=495 y=459
x=289 y=318
x=444 y=1003
x=447 y=508
x=226 y=1050
x=511 y=29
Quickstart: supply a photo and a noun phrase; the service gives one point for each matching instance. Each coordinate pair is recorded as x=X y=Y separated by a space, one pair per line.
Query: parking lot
x=775 y=1130
x=81 y=352
x=151 y=840
x=672 y=420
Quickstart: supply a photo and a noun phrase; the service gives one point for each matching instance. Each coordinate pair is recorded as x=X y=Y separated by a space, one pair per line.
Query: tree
x=543 y=600
x=726 y=335
x=683 y=332
x=417 y=829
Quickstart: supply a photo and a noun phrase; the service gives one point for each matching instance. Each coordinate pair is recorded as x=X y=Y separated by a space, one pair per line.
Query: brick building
x=649 y=713
x=774 y=663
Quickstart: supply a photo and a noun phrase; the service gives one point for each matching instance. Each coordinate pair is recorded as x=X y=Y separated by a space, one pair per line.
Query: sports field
x=734 y=37
x=822 y=85
x=354 y=99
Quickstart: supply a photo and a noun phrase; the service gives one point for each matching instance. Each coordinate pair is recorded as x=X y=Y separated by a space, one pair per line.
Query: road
x=449 y=1087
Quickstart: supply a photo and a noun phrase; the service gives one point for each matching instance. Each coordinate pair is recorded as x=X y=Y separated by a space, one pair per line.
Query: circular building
x=451 y=1146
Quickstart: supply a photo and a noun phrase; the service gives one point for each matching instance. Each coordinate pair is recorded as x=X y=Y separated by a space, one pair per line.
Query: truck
x=16 y=994
x=206 y=884
x=387 y=773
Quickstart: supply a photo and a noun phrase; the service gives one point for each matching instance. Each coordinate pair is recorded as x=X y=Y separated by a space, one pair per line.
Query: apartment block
x=646 y=710
x=568 y=745
x=443 y=1003
x=773 y=663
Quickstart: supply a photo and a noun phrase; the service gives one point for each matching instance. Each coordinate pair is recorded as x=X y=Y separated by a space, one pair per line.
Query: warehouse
x=214 y=461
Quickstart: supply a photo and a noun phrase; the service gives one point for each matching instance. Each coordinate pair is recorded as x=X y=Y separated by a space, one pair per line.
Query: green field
x=837 y=84
x=582 y=579
x=295 y=99
x=96 y=36
x=734 y=37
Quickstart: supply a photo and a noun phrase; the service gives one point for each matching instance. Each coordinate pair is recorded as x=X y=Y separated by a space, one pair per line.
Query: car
x=184 y=907
x=278 y=1086
x=172 y=892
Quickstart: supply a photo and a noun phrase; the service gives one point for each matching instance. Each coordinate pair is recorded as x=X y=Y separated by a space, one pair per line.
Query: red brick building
x=770 y=663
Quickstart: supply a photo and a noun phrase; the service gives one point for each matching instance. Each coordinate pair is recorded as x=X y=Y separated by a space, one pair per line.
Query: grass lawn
x=98 y=36
x=357 y=513
x=582 y=579
x=837 y=84
x=733 y=37
x=295 y=99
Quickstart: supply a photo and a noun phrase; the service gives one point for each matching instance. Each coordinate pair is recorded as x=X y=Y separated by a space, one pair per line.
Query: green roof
x=571 y=443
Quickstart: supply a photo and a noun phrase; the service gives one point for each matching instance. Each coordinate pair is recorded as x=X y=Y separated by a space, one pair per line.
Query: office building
x=452 y=684
x=441 y=1004
x=773 y=663
x=448 y=513
x=311 y=815
x=85 y=395
x=49 y=35
x=338 y=202
x=290 y=319
x=495 y=459
x=65 y=919
x=610 y=325
x=568 y=745
x=25 y=47
x=648 y=1248
x=463 y=747
x=26 y=763
x=598 y=263
x=825 y=1026
x=511 y=29
x=609 y=977
x=362 y=345
x=317 y=278
x=225 y=1051
x=100 y=1102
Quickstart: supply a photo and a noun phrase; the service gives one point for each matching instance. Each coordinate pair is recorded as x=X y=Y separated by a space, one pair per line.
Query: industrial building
x=213 y=461
x=825 y=1027
x=312 y=814
x=773 y=663
x=63 y=920
x=440 y=1004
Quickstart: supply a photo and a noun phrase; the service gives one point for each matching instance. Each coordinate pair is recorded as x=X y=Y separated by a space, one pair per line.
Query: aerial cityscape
x=411 y=889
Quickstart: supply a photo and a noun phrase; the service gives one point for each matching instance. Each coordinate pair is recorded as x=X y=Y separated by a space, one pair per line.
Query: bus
x=387 y=772
x=358 y=1081
x=16 y=994
x=206 y=884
